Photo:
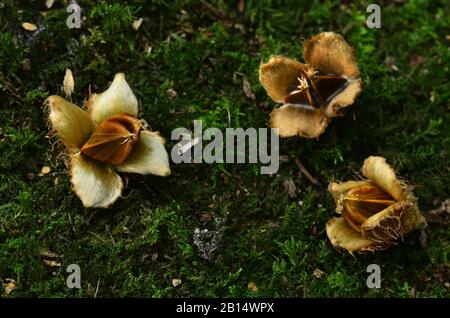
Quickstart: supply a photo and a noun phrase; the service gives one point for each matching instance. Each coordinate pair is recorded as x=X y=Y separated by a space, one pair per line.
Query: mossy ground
x=146 y=239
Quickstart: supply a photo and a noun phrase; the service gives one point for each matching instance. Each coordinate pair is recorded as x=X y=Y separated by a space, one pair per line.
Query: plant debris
x=440 y=215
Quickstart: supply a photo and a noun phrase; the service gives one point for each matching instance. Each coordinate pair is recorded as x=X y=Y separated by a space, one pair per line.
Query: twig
x=96 y=289
x=7 y=85
x=219 y=13
x=239 y=185
x=98 y=236
x=110 y=235
x=305 y=172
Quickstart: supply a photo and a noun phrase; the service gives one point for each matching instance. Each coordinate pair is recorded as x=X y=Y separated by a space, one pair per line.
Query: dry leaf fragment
x=290 y=187
x=10 y=285
x=49 y=3
x=440 y=215
x=26 y=64
x=46 y=170
x=137 y=23
x=51 y=263
x=171 y=93
x=68 y=83
x=273 y=224
x=49 y=254
x=252 y=286
x=248 y=89
x=176 y=282
x=390 y=63
x=416 y=60
x=318 y=273
x=206 y=217
x=29 y=26
x=241 y=6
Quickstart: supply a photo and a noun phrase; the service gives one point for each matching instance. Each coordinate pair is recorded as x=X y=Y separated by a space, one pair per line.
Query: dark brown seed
x=113 y=139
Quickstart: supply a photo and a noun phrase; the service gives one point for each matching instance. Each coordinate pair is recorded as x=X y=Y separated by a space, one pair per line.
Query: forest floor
x=266 y=232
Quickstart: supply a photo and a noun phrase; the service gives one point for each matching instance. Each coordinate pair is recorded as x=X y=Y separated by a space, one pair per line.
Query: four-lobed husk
x=384 y=228
x=327 y=53
x=106 y=139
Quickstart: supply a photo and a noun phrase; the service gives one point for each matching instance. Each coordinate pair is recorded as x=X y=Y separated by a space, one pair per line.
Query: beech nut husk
x=314 y=92
x=375 y=213
x=105 y=139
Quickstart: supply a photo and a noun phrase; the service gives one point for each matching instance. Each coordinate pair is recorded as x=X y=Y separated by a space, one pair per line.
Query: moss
x=266 y=237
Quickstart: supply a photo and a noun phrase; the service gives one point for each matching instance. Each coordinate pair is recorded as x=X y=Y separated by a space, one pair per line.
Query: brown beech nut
x=113 y=139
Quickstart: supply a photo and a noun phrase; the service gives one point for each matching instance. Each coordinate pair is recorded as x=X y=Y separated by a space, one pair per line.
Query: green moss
x=261 y=234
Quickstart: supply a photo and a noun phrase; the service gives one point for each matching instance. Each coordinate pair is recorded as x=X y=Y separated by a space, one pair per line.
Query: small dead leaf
x=46 y=170
x=318 y=273
x=416 y=60
x=176 y=282
x=171 y=93
x=273 y=225
x=413 y=292
x=241 y=6
x=440 y=215
x=252 y=286
x=29 y=26
x=147 y=47
x=49 y=3
x=31 y=175
x=290 y=187
x=68 y=82
x=240 y=27
x=49 y=254
x=154 y=256
x=206 y=217
x=390 y=63
x=13 y=231
x=52 y=263
x=432 y=97
x=26 y=64
x=206 y=33
x=448 y=37
x=423 y=238
x=10 y=285
x=137 y=23
x=247 y=89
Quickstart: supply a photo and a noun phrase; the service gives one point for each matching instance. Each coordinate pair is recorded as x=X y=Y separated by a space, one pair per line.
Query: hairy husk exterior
x=382 y=229
x=327 y=53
